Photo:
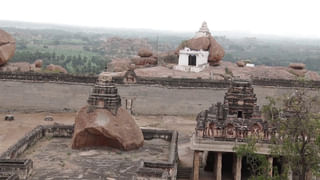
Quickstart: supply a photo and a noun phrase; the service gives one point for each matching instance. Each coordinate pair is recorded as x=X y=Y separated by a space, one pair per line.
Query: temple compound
x=226 y=125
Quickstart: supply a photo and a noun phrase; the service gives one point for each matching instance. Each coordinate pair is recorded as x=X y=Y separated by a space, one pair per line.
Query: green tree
x=258 y=164
x=297 y=119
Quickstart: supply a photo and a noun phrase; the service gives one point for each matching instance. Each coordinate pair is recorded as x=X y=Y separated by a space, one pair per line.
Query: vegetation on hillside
x=85 y=50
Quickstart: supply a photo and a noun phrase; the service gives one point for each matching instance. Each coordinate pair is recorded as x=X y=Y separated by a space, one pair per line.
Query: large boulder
x=100 y=127
x=297 y=66
x=7 y=47
x=118 y=65
x=38 y=63
x=207 y=43
x=241 y=63
x=143 y=52
x=56 y=68
x=199 y=43
x=144 y=61
x=216 y=52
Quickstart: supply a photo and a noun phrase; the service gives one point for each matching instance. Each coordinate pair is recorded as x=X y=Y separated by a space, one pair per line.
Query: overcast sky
x=279 y=17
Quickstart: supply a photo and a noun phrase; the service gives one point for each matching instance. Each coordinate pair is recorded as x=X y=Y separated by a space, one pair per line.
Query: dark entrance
x=227 y=165
x=192 y=60
x=239 y=114
x=210 y=161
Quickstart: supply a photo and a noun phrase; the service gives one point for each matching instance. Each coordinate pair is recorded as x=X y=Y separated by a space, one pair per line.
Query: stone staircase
x=184 y=173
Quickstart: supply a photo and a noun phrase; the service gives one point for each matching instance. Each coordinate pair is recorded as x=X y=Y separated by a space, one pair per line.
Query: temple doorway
x=192 y=60
x=227 y=165
x=209 y=162
x=240 y=114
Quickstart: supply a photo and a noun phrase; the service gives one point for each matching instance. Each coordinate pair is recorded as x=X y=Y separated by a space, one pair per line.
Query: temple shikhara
x=225 y=125
x=105 y=96
x=236 y=118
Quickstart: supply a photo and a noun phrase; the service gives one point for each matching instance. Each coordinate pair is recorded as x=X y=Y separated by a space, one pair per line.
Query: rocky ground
x=225 y=69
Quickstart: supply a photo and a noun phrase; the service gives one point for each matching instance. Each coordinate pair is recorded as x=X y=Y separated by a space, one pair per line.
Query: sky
x=298 y=18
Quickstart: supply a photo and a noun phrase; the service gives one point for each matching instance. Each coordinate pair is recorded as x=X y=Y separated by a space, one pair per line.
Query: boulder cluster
x=145 y=59
x=7 y=50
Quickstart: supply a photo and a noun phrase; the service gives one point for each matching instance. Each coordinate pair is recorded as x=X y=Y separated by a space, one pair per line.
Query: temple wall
x=146 y=99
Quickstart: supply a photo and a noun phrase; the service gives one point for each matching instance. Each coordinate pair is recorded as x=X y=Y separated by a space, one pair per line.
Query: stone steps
x=184 y=173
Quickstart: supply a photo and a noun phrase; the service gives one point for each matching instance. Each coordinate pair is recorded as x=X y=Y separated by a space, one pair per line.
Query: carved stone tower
x=105 y=96
x=240 y=99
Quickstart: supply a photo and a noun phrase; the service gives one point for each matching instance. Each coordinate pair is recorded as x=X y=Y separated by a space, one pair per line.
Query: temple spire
x=203 y=31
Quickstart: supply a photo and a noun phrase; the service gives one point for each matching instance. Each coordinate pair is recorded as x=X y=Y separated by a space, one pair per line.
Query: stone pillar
x=218 y=166
x=196 y=165
x=289 y=173
x=237 y=165
x=270 y=160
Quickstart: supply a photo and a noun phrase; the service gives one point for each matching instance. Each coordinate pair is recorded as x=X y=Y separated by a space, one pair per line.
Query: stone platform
x=54 y=159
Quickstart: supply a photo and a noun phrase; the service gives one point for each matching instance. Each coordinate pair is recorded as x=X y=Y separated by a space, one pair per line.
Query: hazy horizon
x=282 y=18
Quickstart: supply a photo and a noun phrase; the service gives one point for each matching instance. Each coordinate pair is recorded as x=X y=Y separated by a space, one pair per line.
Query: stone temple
x=225 y=125
x=105 y=96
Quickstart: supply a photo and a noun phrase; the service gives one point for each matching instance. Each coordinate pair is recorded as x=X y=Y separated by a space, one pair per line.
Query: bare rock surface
x=56 y=68
x=101 y=128
x=144 y=52
x=7 y=47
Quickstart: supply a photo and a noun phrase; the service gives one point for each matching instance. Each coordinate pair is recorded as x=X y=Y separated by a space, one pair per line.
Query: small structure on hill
x=200 y=51
x=104 y=122
x=191 y=60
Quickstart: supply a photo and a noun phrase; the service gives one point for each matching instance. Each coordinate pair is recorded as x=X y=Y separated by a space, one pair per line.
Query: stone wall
x=140 y=98
x=153 y=96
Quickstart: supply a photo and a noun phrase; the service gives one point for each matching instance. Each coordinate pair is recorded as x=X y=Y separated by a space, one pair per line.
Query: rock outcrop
x=7 y=47
x=298 y=66
x=21 y=67
x=101 y=128
x=143 y=52
x=205 y=41
x=56 y=68
x=298 y=69
x=241 y=63
x=144 y=61
x=118 y=65
x=104 y=122
x=38 y=63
